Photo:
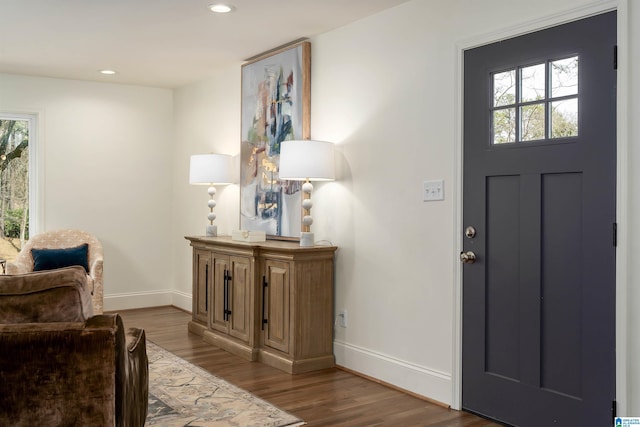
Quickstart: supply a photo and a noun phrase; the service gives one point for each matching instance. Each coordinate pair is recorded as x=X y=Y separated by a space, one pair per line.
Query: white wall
x=106 y=152
x=385 y=90
x=207 y=120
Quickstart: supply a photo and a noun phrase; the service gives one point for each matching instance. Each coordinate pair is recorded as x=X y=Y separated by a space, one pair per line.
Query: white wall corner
x=426 y=382
x=182 y=300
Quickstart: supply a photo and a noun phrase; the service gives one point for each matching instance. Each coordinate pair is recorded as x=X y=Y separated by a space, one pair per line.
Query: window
x=535 y=102
x=16 y=143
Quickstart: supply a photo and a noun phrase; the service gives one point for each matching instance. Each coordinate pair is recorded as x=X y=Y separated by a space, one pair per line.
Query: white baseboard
x=127 y=301
x=182 y=301
x=416 y=379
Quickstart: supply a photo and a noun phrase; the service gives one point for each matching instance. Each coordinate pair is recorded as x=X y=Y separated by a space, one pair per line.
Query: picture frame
x=276 y=106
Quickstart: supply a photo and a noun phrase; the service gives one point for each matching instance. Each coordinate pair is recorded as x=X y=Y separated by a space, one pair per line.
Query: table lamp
x=210 y=169
x=306 y=160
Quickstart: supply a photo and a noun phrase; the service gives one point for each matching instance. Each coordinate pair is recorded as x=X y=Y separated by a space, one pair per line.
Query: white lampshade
x=306 y=159
x=210 y=169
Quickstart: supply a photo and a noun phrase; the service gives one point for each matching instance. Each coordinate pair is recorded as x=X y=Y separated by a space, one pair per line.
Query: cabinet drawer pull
x=225 y=297
x=264 y=293
x=206 y=288
x=226 y=312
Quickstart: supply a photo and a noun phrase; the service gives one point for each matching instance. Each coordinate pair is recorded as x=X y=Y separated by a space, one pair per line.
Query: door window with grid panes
x=536 y=102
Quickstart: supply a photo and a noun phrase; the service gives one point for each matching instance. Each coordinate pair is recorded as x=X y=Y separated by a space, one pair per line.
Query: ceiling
x=160 y=43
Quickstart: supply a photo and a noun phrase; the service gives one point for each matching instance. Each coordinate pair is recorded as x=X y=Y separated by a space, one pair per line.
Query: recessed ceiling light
x=221 y=8
x=108 y=72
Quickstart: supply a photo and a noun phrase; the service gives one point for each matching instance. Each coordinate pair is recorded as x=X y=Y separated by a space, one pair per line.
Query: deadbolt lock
x=470 y=232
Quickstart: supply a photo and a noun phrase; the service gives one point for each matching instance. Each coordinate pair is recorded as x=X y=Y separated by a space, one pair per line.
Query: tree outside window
x=14 y=186
x=536 y=102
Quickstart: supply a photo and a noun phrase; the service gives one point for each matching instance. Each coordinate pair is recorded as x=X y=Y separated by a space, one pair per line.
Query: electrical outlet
x=342 y=318
x=433 y=190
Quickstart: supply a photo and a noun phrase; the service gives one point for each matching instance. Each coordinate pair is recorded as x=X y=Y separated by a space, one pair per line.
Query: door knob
x=467 y=257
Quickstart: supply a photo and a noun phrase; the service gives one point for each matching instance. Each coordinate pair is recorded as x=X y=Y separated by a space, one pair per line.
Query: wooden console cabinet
x=270 y=301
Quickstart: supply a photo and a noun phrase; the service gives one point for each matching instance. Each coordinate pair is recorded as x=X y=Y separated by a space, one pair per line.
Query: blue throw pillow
x=49 y=259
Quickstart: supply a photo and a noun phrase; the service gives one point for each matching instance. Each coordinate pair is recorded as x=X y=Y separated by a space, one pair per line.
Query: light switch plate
x=433 y=190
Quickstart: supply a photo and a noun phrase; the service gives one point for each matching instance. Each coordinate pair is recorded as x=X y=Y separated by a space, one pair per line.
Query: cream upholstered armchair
x=59 y=239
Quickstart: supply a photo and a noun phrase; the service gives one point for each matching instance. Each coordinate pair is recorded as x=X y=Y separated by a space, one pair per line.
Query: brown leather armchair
x=58 y=368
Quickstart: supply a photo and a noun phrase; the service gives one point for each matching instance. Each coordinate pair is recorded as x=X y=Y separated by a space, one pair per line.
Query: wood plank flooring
x=331 y=397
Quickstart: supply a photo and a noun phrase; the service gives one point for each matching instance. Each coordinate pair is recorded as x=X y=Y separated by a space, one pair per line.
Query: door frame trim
x=622 y=182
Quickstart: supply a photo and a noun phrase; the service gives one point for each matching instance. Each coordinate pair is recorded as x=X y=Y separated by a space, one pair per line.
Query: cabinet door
x=218 y=318
x=276 y=305
x=240 y=296
x=201 y=289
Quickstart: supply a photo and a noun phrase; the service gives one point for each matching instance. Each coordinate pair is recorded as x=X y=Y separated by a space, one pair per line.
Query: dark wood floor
x=331 y=397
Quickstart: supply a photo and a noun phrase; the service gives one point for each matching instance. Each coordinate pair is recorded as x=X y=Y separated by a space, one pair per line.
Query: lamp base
x=307 y=239
x=212 y=230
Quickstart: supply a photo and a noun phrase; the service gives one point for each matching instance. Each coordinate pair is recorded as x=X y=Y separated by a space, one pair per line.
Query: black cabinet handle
x=229 y=286
x=206 y=288
x=264 y=293
x=225 y=290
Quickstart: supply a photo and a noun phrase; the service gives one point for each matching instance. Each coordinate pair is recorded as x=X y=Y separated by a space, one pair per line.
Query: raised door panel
x=201 y=261
x=277 y=310
x=240 y=298
x=312 y=308
x=218 y=320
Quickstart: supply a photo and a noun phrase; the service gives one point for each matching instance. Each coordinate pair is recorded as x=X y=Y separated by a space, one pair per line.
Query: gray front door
x=539 y=192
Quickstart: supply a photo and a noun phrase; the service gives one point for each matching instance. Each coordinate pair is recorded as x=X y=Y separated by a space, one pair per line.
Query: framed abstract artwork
x=276 y=105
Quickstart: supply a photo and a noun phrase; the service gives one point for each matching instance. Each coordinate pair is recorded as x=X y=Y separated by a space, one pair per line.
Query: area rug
x=181 y=394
